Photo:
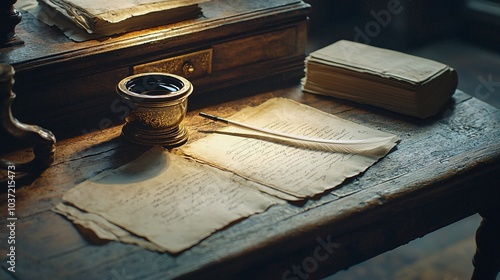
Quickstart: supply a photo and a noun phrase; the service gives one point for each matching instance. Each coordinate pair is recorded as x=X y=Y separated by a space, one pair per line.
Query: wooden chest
x=69 y=87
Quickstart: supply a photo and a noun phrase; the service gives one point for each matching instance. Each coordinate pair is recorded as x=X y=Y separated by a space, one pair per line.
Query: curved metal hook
x=42 y=139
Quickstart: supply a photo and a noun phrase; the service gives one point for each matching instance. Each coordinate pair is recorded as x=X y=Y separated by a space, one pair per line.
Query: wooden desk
x=445 y=169
x=61 y=84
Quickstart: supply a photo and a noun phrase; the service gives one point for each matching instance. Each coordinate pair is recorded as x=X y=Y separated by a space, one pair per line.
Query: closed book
x=108 y=18
x=380 y=77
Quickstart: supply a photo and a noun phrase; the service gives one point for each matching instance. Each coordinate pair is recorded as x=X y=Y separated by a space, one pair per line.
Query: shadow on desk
x=444 y=254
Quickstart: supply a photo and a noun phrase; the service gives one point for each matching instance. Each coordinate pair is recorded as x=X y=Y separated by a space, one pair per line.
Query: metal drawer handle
x=188 y=68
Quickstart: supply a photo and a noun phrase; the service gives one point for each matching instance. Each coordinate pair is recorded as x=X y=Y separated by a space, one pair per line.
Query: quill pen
x=373 y=145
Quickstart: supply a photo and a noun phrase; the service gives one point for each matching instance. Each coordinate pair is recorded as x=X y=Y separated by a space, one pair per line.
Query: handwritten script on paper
x=165 y=202
x=163 y=199
x=295 y=171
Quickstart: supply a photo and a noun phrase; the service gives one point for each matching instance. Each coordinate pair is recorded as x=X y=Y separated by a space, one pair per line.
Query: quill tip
x=212 y=117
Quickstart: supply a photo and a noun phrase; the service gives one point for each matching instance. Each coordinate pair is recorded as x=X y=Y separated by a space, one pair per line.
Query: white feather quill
x=375 y=145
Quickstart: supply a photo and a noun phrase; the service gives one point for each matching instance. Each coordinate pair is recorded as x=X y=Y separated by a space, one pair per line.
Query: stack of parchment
x=114 y=17
x=169 y=202
x=392 y=80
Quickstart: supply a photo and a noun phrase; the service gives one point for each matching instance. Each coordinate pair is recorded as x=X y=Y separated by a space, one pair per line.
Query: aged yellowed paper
x=114 y=11
x=102 y=228
x=294 y=170
x=168 y=203
x=172 y=202
x=83 y=20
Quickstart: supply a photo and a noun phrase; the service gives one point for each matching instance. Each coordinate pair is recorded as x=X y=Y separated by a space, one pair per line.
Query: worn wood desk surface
x=445 y=168
x=58 y=80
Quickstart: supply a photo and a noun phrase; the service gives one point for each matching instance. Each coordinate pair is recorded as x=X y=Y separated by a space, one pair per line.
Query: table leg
x=487 y=258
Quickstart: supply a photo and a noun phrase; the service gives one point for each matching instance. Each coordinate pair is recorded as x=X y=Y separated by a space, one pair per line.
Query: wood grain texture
x=444 y=169
x=69 y=87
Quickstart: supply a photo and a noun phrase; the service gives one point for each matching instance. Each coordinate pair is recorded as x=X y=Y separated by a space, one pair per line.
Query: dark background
x=464 y=34
x=418 y=22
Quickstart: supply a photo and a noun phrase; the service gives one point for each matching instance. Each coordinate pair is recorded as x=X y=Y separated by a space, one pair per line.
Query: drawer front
x=227 y=55
x=262 y=47
x=192 y=65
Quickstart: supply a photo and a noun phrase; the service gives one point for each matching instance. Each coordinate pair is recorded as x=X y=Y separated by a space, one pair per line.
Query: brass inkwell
x=160 y=105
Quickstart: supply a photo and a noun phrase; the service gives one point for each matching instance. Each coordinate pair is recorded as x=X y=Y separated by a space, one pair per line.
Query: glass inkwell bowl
x=159 y=106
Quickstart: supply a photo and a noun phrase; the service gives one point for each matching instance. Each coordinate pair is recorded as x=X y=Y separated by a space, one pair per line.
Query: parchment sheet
x=293 y=170
x=164 y=199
